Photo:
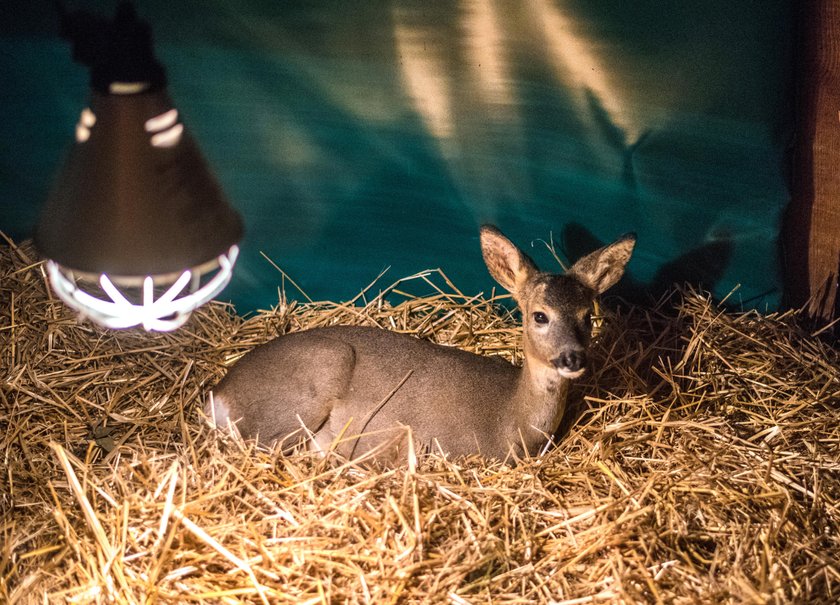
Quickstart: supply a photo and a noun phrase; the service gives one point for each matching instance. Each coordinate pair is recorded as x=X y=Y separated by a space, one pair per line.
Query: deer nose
x=570 y=361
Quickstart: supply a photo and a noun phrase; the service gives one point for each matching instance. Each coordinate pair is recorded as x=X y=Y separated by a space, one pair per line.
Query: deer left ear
x=600 y=270
x=508 y=265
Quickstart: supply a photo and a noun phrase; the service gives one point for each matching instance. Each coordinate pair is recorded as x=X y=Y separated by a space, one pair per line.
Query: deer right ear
x=601 y=269
x=508 y=265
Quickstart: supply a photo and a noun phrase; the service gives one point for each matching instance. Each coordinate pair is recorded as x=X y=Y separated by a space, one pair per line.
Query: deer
x=369 y=391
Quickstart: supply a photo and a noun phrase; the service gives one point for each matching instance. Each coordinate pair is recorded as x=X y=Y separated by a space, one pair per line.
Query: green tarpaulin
x=353 y=136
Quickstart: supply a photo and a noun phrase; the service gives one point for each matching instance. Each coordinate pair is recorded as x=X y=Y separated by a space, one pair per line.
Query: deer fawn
x=351 y=387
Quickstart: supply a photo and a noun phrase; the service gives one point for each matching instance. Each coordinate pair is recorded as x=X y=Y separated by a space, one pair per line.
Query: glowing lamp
x=135 y=230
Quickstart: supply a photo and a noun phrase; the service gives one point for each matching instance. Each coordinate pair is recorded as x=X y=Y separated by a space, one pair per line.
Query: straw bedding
x=700 y=463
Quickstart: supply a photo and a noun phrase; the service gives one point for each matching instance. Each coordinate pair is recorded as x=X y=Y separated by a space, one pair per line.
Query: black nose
x=571 y=361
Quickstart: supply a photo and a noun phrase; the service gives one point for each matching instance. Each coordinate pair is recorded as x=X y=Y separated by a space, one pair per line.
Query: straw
x=699 y=462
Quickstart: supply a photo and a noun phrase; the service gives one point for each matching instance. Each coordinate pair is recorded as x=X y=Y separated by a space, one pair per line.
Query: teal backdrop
x=355 y=136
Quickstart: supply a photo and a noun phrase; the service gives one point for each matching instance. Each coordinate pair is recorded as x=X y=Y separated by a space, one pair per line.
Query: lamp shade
x=134 y=196
x=136 y=229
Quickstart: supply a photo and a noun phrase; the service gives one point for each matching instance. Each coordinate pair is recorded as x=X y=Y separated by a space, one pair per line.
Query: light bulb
x=163 y=313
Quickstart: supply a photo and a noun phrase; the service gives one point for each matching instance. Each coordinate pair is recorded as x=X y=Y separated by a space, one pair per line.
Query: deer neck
x=541 y=401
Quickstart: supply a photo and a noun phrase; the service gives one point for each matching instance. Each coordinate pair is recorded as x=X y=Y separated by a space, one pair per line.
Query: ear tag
x=597 y=321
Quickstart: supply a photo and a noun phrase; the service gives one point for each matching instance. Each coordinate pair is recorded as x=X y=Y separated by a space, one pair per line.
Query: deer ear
x=508 y=265
x=600 y=270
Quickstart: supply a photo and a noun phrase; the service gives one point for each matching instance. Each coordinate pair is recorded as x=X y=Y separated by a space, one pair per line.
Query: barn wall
x=812 y=233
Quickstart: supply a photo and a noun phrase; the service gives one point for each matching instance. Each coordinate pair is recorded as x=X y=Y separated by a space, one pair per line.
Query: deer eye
x=540 y=317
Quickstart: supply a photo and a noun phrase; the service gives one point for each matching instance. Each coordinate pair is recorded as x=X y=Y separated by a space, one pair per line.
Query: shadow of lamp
x=136 y=230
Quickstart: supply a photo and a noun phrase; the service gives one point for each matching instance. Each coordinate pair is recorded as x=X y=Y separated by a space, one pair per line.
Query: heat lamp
x=136 y=229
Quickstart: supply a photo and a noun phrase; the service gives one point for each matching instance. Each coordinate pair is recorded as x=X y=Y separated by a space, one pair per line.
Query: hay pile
x=701 y=464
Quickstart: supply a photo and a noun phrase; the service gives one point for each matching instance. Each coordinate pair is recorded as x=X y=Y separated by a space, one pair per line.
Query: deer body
x=331 y=385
